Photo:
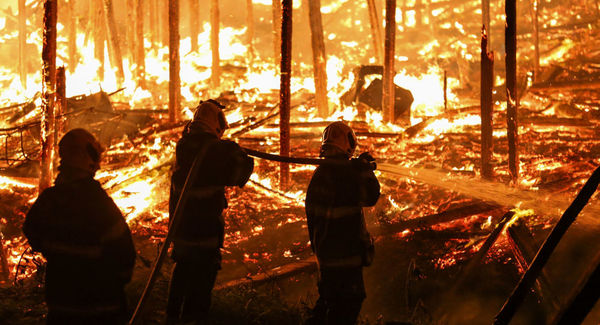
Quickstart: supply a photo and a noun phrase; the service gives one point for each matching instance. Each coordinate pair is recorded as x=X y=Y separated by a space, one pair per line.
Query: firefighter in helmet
x=200 y=232
x=336 y=226
x=84 y=238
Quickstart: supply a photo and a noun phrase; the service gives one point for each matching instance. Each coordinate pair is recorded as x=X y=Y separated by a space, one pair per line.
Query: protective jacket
x=87 y=244
x=335 y=219
x=223 y=163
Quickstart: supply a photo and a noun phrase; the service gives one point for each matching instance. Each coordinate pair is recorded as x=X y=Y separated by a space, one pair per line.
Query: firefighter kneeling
x=199 y=236
x=84 y=237
x=336 y=226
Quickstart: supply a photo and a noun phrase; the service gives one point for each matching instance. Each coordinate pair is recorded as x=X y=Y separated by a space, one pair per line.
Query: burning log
x=565 y=85
x=277 y=31
x=250 y=30
x=583 y=297
x=375 y=22
x=174 y=79
x=22 y=43
x=49 y=86
x=215 y=27
x=487 y=104
x=522 y=245
x=387 y=104
x=543 y=254
x=113 y=39
x=319 y=57
x=510 y=44
x=434 y=219
x=139 y=42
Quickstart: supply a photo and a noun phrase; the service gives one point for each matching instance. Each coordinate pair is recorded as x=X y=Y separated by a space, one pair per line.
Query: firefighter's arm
x=118 y=244
x=368 y=185
x=33 y=227
x=240 y=165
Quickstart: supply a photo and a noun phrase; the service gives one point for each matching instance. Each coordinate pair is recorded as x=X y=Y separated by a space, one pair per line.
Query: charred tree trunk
x=277 y=31
x=487 y=87
x=48 y=90
x=388 y=65
x=115 y=46
x=139 y=43
x=174 y=80
x=511 y=87
x=61 y=108
x=285 y=91
x=215 y=27
x=536 y=37
x=319 y=56
x=22 y=43
x=250 y=30
x=375 y=29
x=194 y=24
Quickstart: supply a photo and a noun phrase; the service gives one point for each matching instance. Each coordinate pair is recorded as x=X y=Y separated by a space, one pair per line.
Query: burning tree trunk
x=250 y=30
x=319 y=57
x=111 y=27
x=61 y=106
x=388 y=66
x=485 y=16
x=277 y=30
x=214 y=43
x=154 y=21
x=511 y=87
x=99 y=28
x=139 y=42
x=194 y=24
x=22 y=43
x=375 y=29
x=130 y=32
x=487 y=87
x=49 y=86
x=536 y=37
x=174 y=81
x=72 y=38
x=285 y=91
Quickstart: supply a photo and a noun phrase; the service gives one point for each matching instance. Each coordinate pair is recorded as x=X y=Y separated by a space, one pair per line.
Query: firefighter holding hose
x=336 y=226
x=199 y=235
x=84 y=238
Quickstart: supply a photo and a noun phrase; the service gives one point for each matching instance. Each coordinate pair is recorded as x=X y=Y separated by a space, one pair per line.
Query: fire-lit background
x=428 y=165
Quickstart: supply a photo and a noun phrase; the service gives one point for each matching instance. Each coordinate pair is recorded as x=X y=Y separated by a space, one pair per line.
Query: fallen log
x=305 y=265
x=565 y=85
x=434 y=219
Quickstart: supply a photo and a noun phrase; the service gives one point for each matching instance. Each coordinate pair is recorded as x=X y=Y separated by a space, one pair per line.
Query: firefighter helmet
x=78 y=148
x=338 y=137
x=210 y=115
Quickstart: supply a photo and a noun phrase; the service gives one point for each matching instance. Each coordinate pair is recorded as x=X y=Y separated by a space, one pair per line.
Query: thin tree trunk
x=387 y=105
x=60 y=109
x=194 y=24
x=285 y=91
x=130 y=44
x=511 y=88
x=174 y=79
x=536 y=37
x=319 y=56
x=250 y=30
x=375 y=21
x=139 y=43
x=48 y=89
x=485 y=17
x=215 y=27
x=22 y=42
x=164 y=7
x=487 y=87
x=99 y=34
x=153 y=19
x=115 y=46
x=277 y=31
x=72 y=28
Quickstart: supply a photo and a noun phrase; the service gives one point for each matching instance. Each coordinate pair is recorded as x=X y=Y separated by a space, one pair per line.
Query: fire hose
x=191 y=176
